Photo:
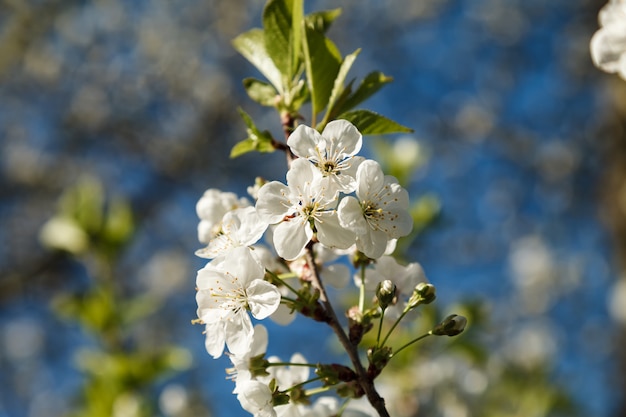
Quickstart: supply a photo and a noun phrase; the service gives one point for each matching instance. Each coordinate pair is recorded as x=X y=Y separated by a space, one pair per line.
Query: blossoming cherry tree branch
x=274 y=256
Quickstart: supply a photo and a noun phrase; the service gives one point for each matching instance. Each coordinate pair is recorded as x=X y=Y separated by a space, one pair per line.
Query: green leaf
x=338 y=85
x=296 y=36
x=250 y=145
x=251 y=45
x=370 y=123
x=321 y=21
x=256 y=141
x=277 y=23
x=261 y=92
x=369 y=85
x=322 y=62
x=243 y=147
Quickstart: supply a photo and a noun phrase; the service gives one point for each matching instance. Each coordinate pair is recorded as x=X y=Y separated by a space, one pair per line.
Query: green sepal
x=260 y=141
x=261 y=92
x=322 y=62
x=371 y=123
x=251 y=45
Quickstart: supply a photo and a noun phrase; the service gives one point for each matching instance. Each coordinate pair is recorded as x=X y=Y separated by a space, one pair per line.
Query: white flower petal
x=290 y=238
x=251 y=226
x=243 y=266
x=331 y=234
x=256 y=398
x=370 y=179
x=205 y=311
x=347 y=136
x=373 y=243
x=239 y=333
x=205 y=232
x=293 y=375
x=273 y=202
x=398 y=197
x=351 y=217
x=303 y=141
x=215 y=339
x=283 y=315
x=301 y=174
x=263 y=298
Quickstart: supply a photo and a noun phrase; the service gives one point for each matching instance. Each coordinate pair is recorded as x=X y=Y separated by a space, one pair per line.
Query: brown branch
x=288 y=121
x=366 y=383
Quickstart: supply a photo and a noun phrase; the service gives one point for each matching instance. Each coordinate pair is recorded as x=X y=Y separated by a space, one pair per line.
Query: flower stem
x=362 y=290
x=424 y=336
x=380 y=328
x=318 y=390
x=287 y=300
x=282 y=281
x=310 y=365
x=363 y=379
x=393 y=327
x=317 y=378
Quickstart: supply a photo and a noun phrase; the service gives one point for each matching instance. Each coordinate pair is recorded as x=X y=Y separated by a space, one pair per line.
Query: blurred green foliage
x=120 y=370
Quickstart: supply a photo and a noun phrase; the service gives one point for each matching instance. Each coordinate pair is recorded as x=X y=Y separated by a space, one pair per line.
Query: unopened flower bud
x=422 y=294
x=385 y=293
x=334 y=373
x=426 y=291
x=358 y=323
x=378 y=358
x=450 y=326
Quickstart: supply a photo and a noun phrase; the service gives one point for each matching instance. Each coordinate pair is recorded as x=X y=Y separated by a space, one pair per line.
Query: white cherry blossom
x=287 y=377
x=608 y=44
x=380 y=211
x=239 y=227
x=255 y=397
x=211 y=209
x=241 y=362
x=228 y=289
x=302 y=208
x=332 y=152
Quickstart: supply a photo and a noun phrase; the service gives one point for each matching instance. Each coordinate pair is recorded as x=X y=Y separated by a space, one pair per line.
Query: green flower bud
x=422 y=294
x=358 y=323
x=378 y=358
x=334 y=373
x=450 y=326
x=385 y=293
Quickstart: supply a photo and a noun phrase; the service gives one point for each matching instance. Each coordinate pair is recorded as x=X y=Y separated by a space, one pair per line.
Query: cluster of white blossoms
x=334 y=203
x=608 y=44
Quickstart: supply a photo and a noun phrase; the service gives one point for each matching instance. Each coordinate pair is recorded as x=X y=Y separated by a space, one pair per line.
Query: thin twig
x=364 y=380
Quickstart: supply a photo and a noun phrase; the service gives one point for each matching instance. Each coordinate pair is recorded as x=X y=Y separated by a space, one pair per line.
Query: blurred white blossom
x=608 y=44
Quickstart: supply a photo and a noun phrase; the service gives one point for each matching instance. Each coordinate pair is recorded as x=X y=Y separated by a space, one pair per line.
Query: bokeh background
x=109 y=108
